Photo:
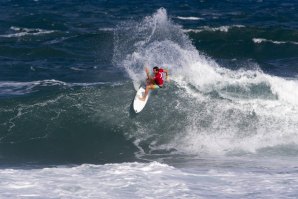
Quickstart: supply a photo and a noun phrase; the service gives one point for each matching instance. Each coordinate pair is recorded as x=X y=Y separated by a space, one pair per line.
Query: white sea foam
x=239 y=124
x=77 y=69
x=190 y=18
x=262 y=40
x=20 y=32
x=149 y=180
x=107 y=29
x=214 y=29
x=127 y=180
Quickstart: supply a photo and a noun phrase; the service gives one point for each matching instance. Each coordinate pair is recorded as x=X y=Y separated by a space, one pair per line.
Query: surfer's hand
x=168 y=78
x=146 y=70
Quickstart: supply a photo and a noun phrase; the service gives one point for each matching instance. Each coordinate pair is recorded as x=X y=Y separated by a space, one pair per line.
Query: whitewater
x=151 y=180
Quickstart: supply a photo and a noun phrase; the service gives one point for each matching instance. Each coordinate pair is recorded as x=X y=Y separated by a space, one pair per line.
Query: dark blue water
x=68 y=71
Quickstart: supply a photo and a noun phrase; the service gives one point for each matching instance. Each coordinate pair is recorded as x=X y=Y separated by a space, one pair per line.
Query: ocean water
x=225 y=126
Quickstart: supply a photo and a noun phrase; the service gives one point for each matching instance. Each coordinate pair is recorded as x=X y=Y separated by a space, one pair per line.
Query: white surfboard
x=138 y=104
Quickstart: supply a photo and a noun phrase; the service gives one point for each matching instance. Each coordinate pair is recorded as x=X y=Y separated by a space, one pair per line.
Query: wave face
x=208 y=109
x=69 y=124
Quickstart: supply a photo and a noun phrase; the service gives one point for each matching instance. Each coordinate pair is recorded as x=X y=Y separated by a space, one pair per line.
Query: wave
x=214 y=29
x=19 y=88
x=261 y=40
x=8 y=88
x=224 y=111
x=21 y=32
x=205 y=110
x=67 y=123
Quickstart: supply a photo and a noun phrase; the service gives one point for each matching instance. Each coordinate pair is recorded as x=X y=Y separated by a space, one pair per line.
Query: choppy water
x=225 y=126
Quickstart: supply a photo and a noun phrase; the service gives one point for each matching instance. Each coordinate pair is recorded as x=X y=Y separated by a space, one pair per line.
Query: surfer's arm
x=147 y=73
x=166 y=71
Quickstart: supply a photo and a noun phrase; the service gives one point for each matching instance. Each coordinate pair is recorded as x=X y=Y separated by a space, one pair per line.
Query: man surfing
x=154 y=82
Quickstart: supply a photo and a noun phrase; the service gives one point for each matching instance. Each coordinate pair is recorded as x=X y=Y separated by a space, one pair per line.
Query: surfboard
x=138 y=104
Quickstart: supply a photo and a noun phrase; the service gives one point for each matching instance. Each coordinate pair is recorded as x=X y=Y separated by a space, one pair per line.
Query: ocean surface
x=224 y=126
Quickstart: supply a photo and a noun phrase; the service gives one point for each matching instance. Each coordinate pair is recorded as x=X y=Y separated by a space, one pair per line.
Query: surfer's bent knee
x=155 y=87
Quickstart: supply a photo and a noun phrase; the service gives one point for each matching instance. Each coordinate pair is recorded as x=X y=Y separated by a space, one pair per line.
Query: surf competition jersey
x=158 y=77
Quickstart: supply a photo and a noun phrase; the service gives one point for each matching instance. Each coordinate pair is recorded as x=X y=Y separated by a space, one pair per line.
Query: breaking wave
x=217 y=110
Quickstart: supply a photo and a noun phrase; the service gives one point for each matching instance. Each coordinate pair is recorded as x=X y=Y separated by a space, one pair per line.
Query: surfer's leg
x=146 y=93
x=150 y=81
x=148 y=87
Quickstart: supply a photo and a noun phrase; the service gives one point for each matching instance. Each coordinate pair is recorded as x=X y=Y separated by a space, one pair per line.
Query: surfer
x=154 y=82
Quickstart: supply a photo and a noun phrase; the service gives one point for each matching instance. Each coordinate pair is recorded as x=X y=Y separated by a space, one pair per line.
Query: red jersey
x=158 y=77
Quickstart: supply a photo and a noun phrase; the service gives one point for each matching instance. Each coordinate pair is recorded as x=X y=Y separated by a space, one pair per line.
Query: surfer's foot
x=142 y=98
